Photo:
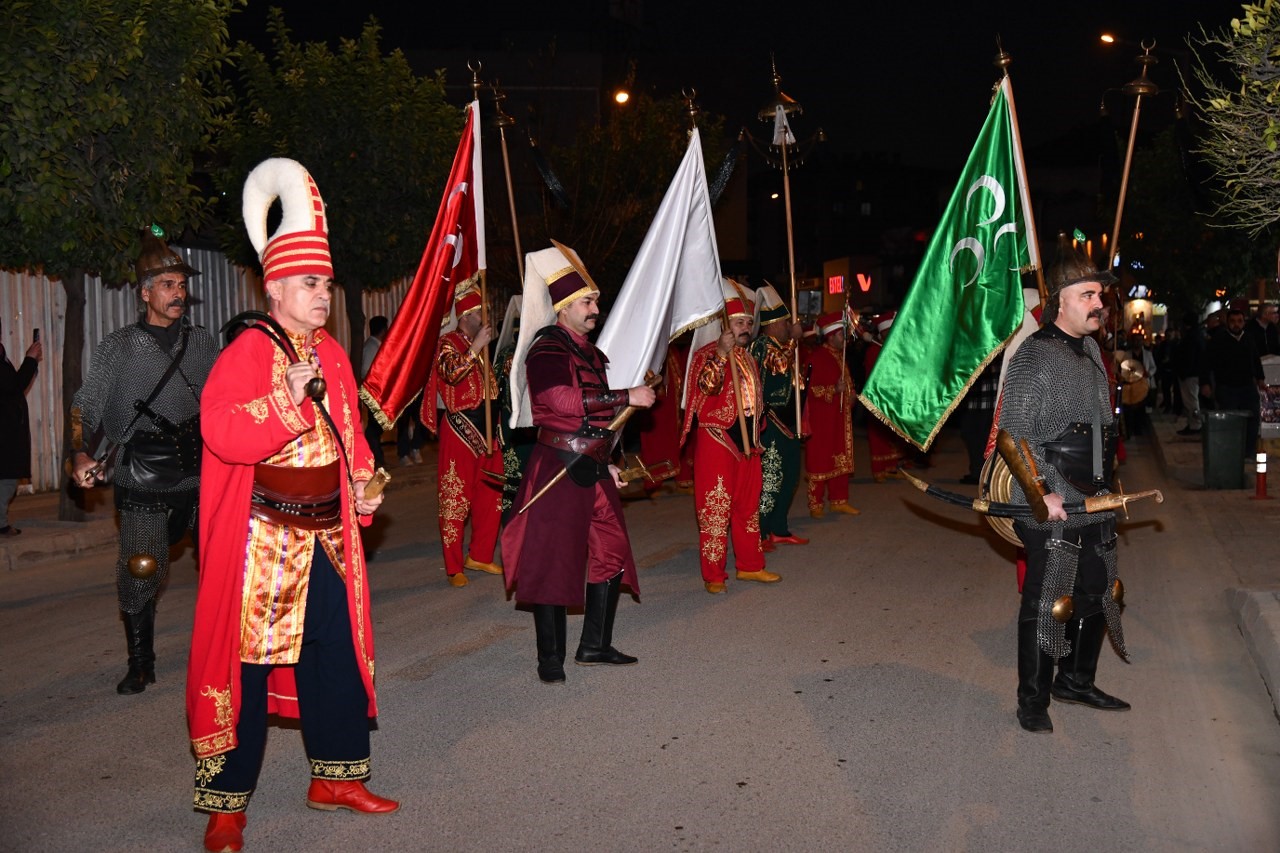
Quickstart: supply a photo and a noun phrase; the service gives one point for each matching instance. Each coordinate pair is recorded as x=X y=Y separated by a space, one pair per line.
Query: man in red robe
x=727 y=478
x=828 y=454
x=462 y=379
x=569 y=546
x=282 y=622
x=887 y=449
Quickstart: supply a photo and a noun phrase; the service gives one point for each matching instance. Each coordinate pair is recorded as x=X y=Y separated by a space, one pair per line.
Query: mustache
x=177 y=303
x=1096 y=313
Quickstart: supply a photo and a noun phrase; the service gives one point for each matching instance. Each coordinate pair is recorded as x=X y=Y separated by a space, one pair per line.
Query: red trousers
x=835 y=489
x=727 y=487
x=465 y=491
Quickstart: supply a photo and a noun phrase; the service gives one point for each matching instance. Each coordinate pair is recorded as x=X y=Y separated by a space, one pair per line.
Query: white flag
x=782 y=128
x=674 y=284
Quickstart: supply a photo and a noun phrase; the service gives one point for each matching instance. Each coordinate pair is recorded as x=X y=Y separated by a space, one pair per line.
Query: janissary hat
x=156 y=257
x=736 y=301
x=466 y=302
x=300 y=245
x=771 y=307
x=562 y=272
x=830 y=322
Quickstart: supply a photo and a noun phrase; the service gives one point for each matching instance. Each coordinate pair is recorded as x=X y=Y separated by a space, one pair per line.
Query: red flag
x=454 y=253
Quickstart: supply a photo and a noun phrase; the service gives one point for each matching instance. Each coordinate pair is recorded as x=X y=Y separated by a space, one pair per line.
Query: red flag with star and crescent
x=454 y=253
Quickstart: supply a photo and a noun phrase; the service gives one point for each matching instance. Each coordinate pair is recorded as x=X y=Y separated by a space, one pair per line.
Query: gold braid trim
x=340 y=770
x=223 y=802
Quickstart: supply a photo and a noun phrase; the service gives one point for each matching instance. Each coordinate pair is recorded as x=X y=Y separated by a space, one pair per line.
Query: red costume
x=887 y=449
x=660 y=435
x=828 y=454
x=726 y=478
x=574 y=534
x=463 y=487
x=247 y=417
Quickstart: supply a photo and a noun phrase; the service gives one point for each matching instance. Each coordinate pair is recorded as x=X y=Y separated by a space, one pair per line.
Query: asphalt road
x=866 y=702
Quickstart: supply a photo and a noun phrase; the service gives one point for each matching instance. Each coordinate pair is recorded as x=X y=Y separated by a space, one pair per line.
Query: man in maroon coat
x=572 y=539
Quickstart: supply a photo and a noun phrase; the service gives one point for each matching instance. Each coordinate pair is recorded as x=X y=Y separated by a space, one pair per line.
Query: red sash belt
x=305 y=498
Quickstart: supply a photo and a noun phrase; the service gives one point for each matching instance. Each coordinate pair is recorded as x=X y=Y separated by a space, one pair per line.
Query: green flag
x=966 y=300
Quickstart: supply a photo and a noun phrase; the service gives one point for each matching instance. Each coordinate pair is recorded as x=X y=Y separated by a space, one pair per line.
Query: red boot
x=328 y=795
x=225 y=832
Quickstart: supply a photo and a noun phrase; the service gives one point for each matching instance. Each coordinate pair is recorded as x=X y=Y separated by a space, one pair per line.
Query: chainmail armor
x=1048 y=386
x=126 y=367
x=1110 y=609
x=1059 y=580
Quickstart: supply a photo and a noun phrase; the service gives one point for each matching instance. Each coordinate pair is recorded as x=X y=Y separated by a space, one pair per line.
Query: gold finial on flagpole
x=474 y=66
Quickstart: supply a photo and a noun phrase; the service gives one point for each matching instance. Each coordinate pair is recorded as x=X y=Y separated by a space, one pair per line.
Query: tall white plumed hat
x=300 y=245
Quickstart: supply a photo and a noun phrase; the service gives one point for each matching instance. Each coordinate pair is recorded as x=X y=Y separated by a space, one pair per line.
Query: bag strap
x=174 y=361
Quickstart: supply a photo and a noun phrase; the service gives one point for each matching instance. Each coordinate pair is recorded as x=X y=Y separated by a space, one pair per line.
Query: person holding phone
x=15 y=426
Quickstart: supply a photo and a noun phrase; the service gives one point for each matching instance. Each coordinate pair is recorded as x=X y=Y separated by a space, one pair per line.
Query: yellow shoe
x=845 y=508
x=816 y=513
x=487 y=568
x=762 y=576
x=714 y=587
x=458 y=580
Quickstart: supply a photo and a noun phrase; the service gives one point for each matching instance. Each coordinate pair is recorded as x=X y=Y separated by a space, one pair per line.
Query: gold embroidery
x=454 y=506
x=221 y=703
x=257 y=409
x=207 y=768
x=220 y=801
x=339 y=769
x=771 y=467
x=713 y=522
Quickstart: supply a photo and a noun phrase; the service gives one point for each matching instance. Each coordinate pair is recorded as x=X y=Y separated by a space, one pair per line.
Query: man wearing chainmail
x=142 y=394
x=1056 y=397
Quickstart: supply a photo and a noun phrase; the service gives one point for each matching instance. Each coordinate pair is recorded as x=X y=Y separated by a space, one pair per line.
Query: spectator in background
x=373 y=429
x=976 y=416
x=1264 y=330
x=15 y=428
x=1232 y=374
x=1188 y=359
x=1170 y=399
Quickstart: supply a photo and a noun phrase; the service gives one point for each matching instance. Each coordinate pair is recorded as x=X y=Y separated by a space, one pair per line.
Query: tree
x=1183 y=258
x=377 y=139
x=1241 y=116
x=106 y=105
x=616 y=175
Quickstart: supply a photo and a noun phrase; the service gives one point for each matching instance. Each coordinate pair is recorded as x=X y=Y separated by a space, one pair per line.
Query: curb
x=1257 y=613
x=40 y=543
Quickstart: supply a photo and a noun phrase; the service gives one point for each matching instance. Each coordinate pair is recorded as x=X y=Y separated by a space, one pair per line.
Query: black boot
x=597 y=625
x=1035 y=672
x=139 y=631
x=548 y=624
x=1077 y=670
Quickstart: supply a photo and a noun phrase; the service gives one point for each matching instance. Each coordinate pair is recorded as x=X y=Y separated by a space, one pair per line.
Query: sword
x=1101 y=503
x=637 y=470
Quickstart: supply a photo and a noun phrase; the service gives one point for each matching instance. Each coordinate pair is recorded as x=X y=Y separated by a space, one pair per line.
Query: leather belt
x=598 y=449
x=305 y=498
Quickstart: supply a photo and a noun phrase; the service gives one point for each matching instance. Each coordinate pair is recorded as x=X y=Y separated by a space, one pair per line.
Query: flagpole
x=788 y=106
x=1138 y=87
x=505 y=121
x=486 y=376
x=689 y=96
x=1003 y=61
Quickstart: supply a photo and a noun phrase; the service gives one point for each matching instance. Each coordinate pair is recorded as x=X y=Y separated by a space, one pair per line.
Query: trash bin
x=1223 y=440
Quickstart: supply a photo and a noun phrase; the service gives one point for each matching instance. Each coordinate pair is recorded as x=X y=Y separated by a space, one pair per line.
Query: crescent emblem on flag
x=971 y=244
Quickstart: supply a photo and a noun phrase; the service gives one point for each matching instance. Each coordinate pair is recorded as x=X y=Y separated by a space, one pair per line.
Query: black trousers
x=332 y=703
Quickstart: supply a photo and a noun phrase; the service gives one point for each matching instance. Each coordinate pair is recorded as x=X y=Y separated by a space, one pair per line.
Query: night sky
x=910 y=79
